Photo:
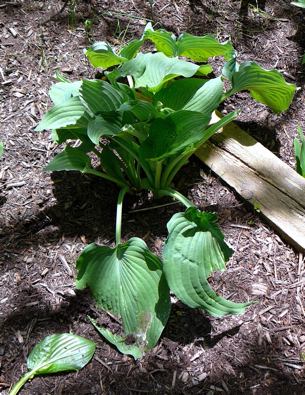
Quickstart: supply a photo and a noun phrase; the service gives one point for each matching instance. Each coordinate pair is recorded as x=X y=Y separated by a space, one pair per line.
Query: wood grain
x=261 y=178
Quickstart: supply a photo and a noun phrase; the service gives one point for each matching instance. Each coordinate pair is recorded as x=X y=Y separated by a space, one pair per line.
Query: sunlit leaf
x=127 y=281
x=195 y=247
x=151 y=70
x=200 y=49
x=100 y=96
x=63 y=91
x=55 y=354
x=207 y=98
x=131 y=49
x=164 y=41
x=101 y=55
x=69 y=113
x=266 y=86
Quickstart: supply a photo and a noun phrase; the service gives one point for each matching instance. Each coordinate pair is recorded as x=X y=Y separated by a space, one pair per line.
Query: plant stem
x=21 y=382
x=136 y=157
x=158 y=171
x=118 y=223
x=175 y=166
x=105 y=176
x=176 y=195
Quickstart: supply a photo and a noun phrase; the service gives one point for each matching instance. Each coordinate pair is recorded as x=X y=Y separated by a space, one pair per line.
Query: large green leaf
x=131 y=49
x=200 y=49
x=99 y=126
x=151 y=70
x=128 y=281
x=299 y=3
x=1 y=148
x=63 y=91
x=100 y=96
x=69 y=113
x=177 y=93
x=266 y=86
x=172 y=134
x=57 y=353
x=61 y=135
x=195 y=247
x=101 y=55
x=69 y=159
x=164 y=41
x=207 y=98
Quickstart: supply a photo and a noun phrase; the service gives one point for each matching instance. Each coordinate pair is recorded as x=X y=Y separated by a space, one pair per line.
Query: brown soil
x=46 y=220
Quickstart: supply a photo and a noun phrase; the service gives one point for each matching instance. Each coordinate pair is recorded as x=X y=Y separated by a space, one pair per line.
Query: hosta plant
x=137 y=126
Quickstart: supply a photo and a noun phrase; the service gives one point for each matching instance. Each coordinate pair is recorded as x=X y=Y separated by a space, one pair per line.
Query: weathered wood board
x=261 y=178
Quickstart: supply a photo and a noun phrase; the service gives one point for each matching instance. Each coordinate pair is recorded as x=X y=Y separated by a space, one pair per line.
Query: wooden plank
x=261 y=178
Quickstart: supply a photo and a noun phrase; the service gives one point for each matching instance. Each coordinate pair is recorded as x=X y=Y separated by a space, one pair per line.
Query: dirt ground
x=46 y=220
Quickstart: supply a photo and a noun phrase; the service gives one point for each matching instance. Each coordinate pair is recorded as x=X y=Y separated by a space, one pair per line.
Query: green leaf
x=266 y=86
x=143 y=111
x=69 y=113
x=152 y=70
x=100 y=96
x=177 y=93
x=131 y=49
x=119 y=342
x=299 y=152
x=195 y=247
x=1 y=148
x=172 y=134
x=300 y=3
x=111 y=164
x=200 y=49
x=207 y=98
x=128 y=281
x=204 y=69
x=230 y=67
x=70 y=159
x=164 y=41
x=61 y=135
x=101 y=55
x=63 y=91
x=99 y=126
x=59 y=353
x=55 y=354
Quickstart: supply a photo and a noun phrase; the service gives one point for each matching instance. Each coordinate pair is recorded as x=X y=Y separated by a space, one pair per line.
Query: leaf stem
x=105 y=176
x=158 y=171
x=119 y=209
x=17 y=387
x=137 y=158
x=176 y=195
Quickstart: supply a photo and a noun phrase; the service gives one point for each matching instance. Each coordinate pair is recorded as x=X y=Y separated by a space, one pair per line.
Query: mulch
x=47 y=219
